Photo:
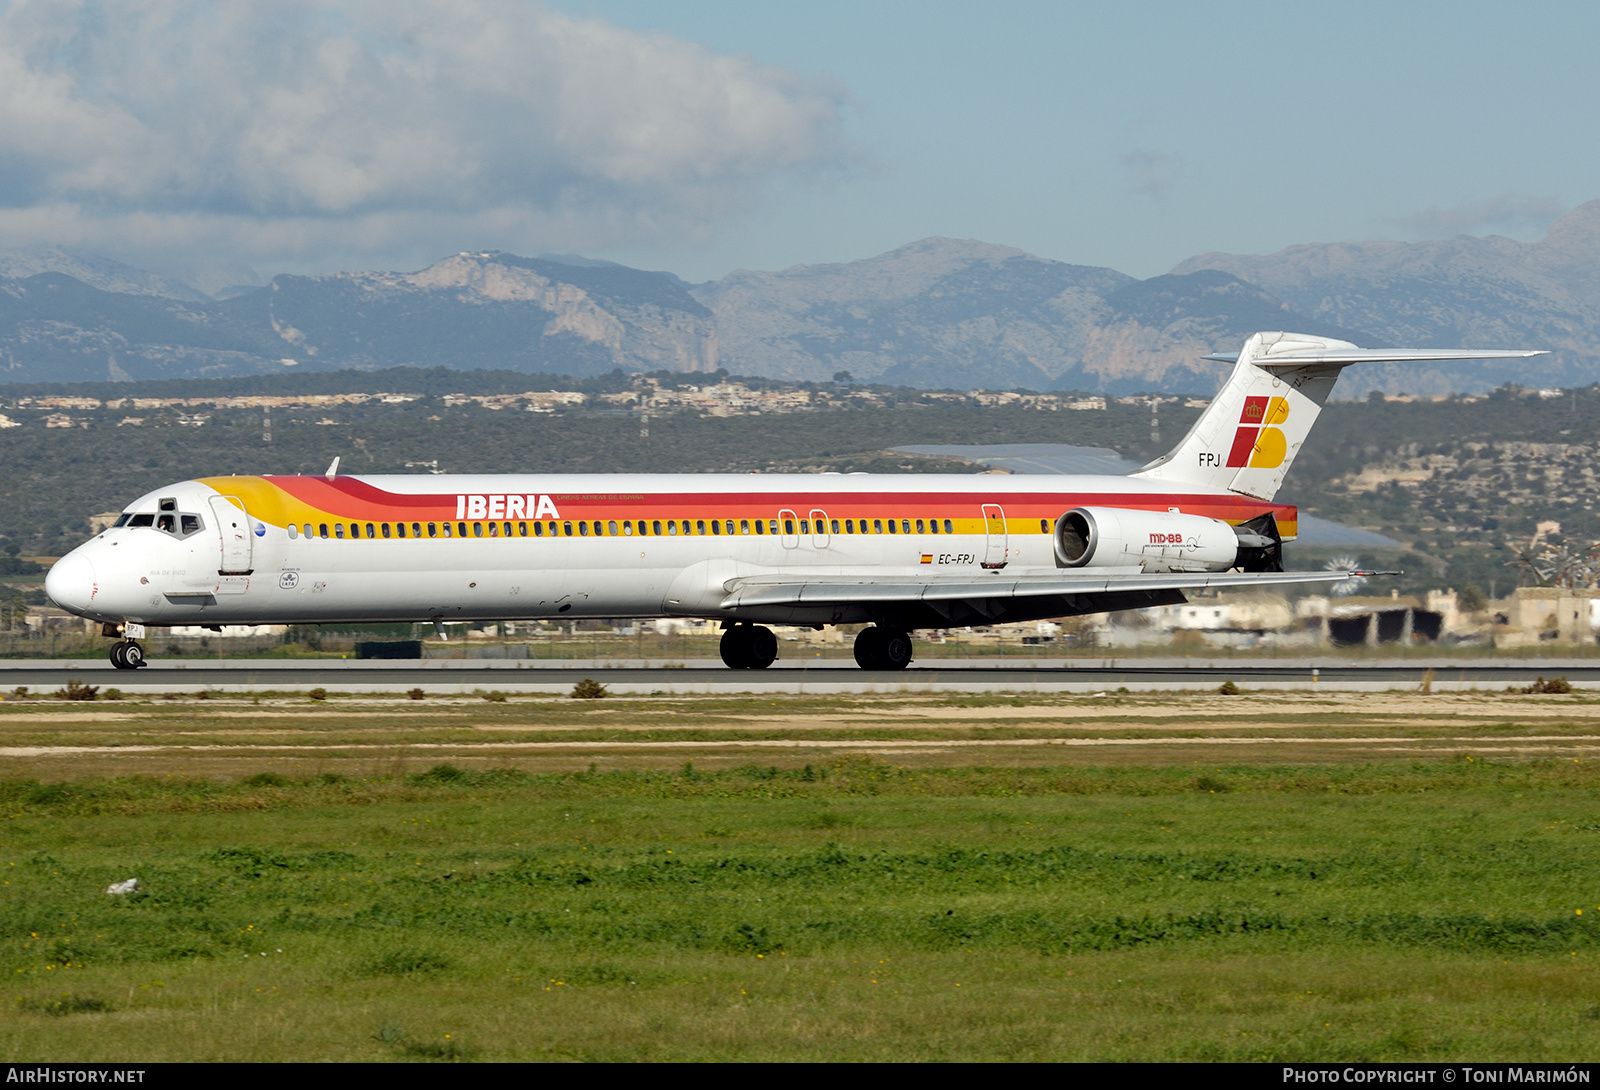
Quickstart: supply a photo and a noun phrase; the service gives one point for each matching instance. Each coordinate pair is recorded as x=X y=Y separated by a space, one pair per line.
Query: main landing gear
x=127 y=655
x=749 y=647
x=882 y=648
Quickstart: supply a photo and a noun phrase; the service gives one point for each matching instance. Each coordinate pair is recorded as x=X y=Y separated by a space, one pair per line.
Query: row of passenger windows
x=626 y=528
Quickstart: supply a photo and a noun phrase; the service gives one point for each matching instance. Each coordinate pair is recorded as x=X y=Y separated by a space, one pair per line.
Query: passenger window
x=552 y=526
x=308 y=529
x=294 y=531
x=522 y=529
x=566 y=528
x=1044 y=526
x=849 y=526
x=538 y=529
x=686 y=526
x=355 y=529
x=461 y=529
x=338 y=530
x=655 y=527
x=672 y=527
x=700 y=527
x=772 y=525
x=599 y=528
x=583 y=529
x=835 y=524
x=905 y=526
x=505 y=528
x=191 y=525
x=399 y=529
x=877 y=526
x=947 y=527
x=933 y=524
x=611 y=527
x=322 y=530
x=919 y=526
x=788 y=526
x=477 y=529
x=494 y=529
x=744 y=526
x=433 y=529
x=446 y=528
x=386 y=529
x=761 y=526
x=416 y=529
x=627 y=528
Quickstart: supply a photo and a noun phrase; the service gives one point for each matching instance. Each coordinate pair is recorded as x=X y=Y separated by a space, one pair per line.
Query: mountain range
x=939 y=313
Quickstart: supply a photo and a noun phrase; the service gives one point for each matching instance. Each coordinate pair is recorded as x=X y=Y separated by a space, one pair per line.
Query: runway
x=800 y=676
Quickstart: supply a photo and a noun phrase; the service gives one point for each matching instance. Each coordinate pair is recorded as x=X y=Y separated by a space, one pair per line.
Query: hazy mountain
x=936 y=313
x=96 y=272
x=943 y=312
x=1481 y=292
x=468 y=311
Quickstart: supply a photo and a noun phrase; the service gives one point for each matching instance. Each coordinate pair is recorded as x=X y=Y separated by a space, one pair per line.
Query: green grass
x=855 y=911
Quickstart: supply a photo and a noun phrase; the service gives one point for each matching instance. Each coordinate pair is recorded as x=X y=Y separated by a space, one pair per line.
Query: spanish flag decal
x=927 y=558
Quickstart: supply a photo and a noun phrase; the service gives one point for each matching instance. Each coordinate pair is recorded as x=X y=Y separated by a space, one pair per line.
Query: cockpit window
x=167 y=523
x=142 y=520
x=122 y=520
x=192 y=524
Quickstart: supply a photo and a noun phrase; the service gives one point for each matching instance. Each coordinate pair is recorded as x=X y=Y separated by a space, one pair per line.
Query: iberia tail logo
x=1257 y=444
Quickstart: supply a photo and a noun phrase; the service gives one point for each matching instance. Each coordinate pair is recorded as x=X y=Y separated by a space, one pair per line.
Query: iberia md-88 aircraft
x=896 y=552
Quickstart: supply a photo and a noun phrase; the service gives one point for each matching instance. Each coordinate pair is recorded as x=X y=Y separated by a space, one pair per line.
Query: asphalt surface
x=1084 y=675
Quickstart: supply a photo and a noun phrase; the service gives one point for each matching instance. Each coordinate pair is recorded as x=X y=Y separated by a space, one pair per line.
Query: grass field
x=1402 y=878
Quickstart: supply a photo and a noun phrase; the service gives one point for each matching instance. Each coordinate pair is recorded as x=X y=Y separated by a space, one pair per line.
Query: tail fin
x=1248 y=437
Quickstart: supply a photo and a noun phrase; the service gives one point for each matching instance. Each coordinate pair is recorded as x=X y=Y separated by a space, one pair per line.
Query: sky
x=229 y=141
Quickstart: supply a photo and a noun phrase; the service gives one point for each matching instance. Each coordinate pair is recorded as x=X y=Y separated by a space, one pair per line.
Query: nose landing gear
x=749 y=647
x=127 y=655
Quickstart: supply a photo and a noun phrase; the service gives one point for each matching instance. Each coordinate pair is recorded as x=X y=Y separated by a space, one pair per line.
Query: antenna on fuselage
x=333 y=469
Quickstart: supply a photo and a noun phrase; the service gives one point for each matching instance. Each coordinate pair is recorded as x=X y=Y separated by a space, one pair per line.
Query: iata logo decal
x=505 y=507
x=1257 y=444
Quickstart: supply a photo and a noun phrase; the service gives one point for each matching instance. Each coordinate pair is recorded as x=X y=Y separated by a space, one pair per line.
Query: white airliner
x=899 y=552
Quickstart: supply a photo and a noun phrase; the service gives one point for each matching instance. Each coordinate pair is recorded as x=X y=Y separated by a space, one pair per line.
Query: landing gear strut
x=749 y=647
x=883 y=648
x=127 y=655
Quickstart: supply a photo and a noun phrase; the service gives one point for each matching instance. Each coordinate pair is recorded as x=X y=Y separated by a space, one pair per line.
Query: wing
x=1021 y=596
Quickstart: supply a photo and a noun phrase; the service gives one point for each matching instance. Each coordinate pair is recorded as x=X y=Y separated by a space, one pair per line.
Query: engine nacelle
x=1157 y=541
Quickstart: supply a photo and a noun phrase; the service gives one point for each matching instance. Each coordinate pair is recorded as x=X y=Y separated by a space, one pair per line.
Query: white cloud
x=299 y=132
x=1505 y=213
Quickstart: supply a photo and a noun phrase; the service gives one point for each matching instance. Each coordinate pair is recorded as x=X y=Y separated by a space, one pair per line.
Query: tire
x=869 y=649
x=133 y=656
x=896 y=649
x=761 y=648
x=117 y=658
x=735 y=647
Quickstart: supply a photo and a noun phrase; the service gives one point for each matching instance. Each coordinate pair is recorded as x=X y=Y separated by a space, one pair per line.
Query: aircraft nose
x=71 y=583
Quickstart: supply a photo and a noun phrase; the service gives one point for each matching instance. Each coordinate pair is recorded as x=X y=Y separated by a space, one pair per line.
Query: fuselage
x=231 y=550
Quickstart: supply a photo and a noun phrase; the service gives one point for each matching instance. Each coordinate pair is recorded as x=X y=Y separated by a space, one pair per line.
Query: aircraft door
x=789 y=525
x=994 y=527
x=234 y=527
x=820 y=537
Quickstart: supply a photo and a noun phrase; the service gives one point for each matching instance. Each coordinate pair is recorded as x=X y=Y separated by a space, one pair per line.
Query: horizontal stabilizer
x=1345 y=357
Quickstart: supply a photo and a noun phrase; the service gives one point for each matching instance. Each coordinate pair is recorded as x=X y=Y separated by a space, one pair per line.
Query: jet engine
x=1164 y=541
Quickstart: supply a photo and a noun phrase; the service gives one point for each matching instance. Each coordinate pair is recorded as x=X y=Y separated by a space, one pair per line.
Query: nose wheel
x=749 y=647
x=127 y=655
